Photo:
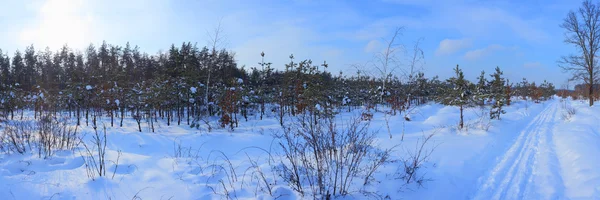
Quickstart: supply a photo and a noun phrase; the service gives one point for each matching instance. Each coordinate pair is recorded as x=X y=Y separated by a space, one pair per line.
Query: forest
x=188 y=84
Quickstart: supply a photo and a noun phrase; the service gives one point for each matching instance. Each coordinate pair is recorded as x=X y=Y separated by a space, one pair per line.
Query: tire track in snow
x=548 y=184
x=528 y=170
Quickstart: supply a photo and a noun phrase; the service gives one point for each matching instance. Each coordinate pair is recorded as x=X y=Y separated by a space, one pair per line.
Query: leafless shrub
x=413 y=163
x=95 y=155
x=323 y=161
x=258 y=174
x=181 y=151
x=221 y=164
x=264 y=182
x=136 y=196
x=116 y=164
x=55 y=135
x=568 y=111
x=44 y=136
x=482 y=122
x=18 y=137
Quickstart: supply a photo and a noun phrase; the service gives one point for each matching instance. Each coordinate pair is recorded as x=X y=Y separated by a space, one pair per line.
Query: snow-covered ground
x=532 y=153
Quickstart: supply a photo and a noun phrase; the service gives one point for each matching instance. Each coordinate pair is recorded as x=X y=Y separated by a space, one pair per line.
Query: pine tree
x=262 y=80
x=4 y=70
x=547 y=90
x=524 y=89
x=5 y=86
x=509 y=92
x=459 y=93
x=481 y=90
x=536 y=93
x=497 y=92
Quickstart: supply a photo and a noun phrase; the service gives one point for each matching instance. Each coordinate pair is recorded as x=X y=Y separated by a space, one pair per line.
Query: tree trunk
x=179 y=113
x=591 y=89
x=188 y=113
x=112 y=116
x=78 y=116
x=151 y=122
x=87 y=114
x=461 y=124
x=168 y=118
x=262 y=108
x=122 y=115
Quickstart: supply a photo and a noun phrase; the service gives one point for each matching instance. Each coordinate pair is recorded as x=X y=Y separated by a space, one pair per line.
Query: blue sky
x=522 y=37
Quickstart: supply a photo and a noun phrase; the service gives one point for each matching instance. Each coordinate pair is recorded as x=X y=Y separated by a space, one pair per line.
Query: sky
x=523 y=38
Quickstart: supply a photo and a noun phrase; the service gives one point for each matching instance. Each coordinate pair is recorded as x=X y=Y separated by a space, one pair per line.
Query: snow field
x=532 y=153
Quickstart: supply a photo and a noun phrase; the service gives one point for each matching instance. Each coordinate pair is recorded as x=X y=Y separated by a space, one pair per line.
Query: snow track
x=530 y=168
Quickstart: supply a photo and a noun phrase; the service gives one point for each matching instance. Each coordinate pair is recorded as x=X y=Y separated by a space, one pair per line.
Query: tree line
x=190 y=85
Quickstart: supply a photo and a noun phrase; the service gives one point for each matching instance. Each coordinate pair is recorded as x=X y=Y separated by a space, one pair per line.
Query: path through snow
x=530 y=168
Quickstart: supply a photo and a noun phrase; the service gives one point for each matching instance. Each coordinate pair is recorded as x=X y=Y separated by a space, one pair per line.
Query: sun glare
x=59 y=22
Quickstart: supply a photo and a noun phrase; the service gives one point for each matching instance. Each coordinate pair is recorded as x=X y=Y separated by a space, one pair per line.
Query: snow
x=532 y=153
x=88 y=87
x=318 y=107
x=346 y=100
x=193 y=90
x=577 y=146
x=117 y=102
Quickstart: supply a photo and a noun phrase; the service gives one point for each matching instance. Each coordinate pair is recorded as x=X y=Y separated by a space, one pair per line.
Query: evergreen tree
x=524 y=89
x=481 y=90
x=92 y=66
x=18 y=69
x=509 y=92
x=5 y=77
x=459 y=93
x=30 y=68
x=498 y=93
x=5 y=86
x=548 y=90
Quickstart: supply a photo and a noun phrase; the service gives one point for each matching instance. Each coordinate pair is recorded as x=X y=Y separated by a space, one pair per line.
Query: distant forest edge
x=188 y=84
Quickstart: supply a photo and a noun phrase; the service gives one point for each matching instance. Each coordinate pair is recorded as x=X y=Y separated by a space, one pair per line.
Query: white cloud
x=449 y=46
x=487 y=20
x=532 y=65
x=479 y=53
x=59 y=22
x=372 y=46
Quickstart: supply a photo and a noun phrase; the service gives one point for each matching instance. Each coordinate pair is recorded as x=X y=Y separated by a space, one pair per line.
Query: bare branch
x=582 y=29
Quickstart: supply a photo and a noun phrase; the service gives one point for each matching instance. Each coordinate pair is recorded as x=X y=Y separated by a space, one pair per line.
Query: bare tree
x=386 y=62
x=216 y=40
x=417 y=60
x=583 y=31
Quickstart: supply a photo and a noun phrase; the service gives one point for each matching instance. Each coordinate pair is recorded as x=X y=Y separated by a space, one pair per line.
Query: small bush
x=95 y=155
x=413 y=164
x=18 y=137
x=323 y=161
x=44 y=136
x=568 y=112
